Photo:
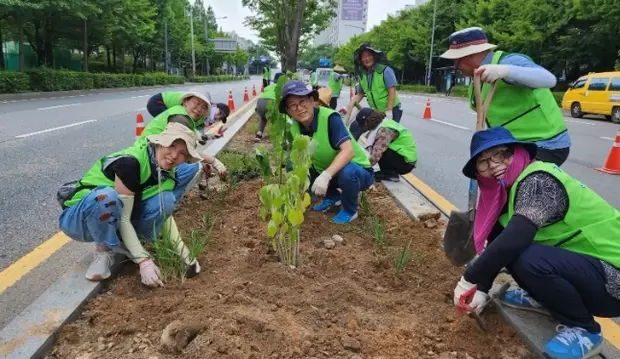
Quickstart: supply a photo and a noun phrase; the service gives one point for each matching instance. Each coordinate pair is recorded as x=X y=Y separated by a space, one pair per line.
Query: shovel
x=458 y=242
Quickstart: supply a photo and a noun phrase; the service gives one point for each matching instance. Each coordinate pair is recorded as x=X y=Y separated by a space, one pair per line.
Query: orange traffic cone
x=612 y=165
x=253 y=90
x=427 y=110
x=246 y=98
x=231 y=102
x=139 y=125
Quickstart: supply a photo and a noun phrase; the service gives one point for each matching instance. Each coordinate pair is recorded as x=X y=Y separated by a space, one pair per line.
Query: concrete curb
x=32 y=333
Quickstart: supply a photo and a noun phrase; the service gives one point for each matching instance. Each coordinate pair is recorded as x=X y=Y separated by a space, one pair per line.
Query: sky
x=236 y=13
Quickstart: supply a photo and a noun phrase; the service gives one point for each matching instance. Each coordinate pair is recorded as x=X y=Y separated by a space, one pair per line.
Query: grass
x=402 y=259
x=364 y=205
x=378 y=230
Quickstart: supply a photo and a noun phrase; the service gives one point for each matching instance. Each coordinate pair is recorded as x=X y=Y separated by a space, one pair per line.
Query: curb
x=32 y=333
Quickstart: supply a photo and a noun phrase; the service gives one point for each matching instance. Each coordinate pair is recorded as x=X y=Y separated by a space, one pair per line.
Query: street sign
x=323 y=61
x=224 y=44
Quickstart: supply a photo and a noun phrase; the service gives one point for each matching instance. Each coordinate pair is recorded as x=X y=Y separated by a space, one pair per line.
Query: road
x=47 y=142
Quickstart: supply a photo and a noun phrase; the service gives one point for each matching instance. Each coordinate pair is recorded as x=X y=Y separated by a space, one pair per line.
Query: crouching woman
x=132 y=193
x=557 y=238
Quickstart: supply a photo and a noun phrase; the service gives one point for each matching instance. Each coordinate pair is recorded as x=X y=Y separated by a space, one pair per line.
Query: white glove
x=219 y=166
x=479 y=300
x=388 y=114
x=150 y=274
x=492 y=73
x=319 y=187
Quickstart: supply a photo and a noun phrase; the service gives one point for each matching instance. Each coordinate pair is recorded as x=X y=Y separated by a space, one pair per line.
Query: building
x=244 y=44
x=351 y=19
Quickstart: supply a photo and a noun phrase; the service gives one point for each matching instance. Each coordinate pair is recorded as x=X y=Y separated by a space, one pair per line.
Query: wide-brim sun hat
x=177 y=131
x=339 y=68
x=469 y=41
x=295 y=88
x=325 y=96
x=363 y=47
x=489 y=138
x=203 y=95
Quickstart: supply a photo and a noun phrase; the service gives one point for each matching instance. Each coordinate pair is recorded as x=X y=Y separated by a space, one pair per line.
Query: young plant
x=378 y=230
x=402 y=258
x=364 y=205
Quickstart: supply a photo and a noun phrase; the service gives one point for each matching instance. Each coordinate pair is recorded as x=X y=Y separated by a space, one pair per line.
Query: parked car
x=596 y=94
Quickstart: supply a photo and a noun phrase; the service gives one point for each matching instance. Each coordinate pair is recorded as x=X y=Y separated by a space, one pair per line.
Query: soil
x=343 y=302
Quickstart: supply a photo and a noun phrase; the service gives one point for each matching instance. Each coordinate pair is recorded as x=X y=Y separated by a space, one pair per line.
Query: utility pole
x=430 y=56
x=166 y=47
x=207 y=42
x=191 y=21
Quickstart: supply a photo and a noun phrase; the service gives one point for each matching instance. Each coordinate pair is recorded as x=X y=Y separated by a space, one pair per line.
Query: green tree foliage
x=309 y=57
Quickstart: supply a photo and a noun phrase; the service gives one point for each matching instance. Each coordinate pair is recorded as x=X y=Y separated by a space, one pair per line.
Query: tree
x=281 y=23
x=310 y=56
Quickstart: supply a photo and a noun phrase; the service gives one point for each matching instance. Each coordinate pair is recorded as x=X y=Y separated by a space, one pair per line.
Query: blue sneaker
x=573 y=343
x=519 y=299
x=343 y=217
x=326 y=204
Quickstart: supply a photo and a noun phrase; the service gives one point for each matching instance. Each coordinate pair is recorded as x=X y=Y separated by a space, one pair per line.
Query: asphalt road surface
x=47 y=142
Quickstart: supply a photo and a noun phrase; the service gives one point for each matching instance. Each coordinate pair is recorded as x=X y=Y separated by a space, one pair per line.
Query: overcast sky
x=236 y=13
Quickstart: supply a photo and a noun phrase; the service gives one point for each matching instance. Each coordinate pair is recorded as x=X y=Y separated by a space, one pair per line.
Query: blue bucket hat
x=295 y=88
x=483 y=140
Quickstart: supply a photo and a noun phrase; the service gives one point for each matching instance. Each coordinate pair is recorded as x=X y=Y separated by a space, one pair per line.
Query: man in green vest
x=263 y=104
x=335 y=84
x=523 y=102
x=314 y=80
x=131 y=193
x=266 y=75
x=557 y=238
x=338 y=162
x=389 y=144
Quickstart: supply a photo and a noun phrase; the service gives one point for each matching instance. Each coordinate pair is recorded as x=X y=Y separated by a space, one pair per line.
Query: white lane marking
x=140 y=109
x=54 y=129
x=608 y=138
x=139 y=96
x=59 y=106
x=451 y=124
x=581 y=122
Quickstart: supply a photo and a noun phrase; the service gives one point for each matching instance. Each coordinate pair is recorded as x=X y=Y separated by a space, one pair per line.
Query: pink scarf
x=494 y=194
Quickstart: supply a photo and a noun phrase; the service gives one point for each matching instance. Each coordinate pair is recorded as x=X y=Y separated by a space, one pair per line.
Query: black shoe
x=387 y=176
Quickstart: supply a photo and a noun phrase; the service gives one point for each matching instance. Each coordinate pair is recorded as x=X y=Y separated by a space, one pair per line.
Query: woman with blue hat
x=557 y=238
x=523 y=102
x=339 y=162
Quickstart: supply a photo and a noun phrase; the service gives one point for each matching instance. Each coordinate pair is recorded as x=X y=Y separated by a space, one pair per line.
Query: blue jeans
x=351 y=180
x=96 y=217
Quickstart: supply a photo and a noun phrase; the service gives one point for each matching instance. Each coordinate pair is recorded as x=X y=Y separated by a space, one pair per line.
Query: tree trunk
x=2 y=64
x=85 y=45
x=114 y=57
x=292 y=46
x=107 y=52
x=20 y=41
x=49 y=44
x=123 y=57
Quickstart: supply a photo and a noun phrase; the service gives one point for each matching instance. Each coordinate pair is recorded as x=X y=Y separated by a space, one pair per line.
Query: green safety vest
x=95 y=177
x=269 y=92
x=266 y=73
x=591 y=226
x=334 y=85
x=403 y=144
x=314 y=80
x=172 y=98
x=325 y=154
x=158 y=124
x=377 y=94
x=529 y=114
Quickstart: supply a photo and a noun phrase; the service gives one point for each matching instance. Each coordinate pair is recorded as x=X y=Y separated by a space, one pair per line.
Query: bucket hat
x=177 y=131
x=469 y=41
x=295 y=88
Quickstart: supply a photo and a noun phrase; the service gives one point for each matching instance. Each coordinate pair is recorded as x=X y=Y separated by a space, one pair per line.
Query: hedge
x=416 y=88
x=218 y=78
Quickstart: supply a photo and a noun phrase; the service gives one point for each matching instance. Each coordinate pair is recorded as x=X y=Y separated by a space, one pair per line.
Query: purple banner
x=352 y=10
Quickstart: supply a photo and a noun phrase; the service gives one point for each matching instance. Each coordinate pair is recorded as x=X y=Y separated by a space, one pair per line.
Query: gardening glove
x=467 y=298
x=150 y=274
x=388 y=114
x=492 y=73
x=170 y=228
x=319 y=187
x=219 y=167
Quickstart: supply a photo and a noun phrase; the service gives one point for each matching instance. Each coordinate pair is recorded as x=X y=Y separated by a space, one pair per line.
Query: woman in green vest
x=338 y=162
x=523 y=102
x=389 y=143
x=558 y=239
x=262 y=106
x=131 y=193
x=162 y=101
x=335 y=84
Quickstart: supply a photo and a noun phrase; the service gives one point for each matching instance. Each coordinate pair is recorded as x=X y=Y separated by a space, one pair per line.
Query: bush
x=460 y=91
x=218 y=78
x=12 y=82
x=416 y=88
x=558 y=97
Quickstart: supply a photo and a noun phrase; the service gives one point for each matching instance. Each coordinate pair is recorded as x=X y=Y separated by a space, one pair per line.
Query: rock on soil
x=177 y=335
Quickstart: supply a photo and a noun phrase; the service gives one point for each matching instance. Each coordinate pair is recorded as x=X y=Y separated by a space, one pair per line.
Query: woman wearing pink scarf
x=558 y=239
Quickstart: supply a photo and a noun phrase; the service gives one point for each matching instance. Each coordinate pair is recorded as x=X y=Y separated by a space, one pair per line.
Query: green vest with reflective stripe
x=403 y=144
x=591 y=225
x=158 y=124
x=529 y=114
x=266 y=73
x=325 y=154
x=334 y=85
x=172 y=98
x=377 y=94
x=269 y=92
x=95 y=177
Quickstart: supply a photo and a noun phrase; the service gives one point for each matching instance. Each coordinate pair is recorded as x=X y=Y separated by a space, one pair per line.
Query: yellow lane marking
x=21 y=267
x=611 y=331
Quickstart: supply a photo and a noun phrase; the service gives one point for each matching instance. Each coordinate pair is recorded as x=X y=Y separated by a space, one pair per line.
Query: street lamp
x=430 y=56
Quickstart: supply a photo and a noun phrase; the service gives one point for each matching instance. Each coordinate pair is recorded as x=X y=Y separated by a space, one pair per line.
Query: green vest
x=325 y=154
x=266 y=73
x=314 y=79
x=269 y=92
x=591 y=225
x=172 y=98
x=377 y=94
x=334 y=85
x=403 y=144
x=158 y=124
x=95 y=177
x=529 y=114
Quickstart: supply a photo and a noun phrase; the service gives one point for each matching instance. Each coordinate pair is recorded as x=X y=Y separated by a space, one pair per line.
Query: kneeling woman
x=557 y=238
x=390 y=144
x=129 y=193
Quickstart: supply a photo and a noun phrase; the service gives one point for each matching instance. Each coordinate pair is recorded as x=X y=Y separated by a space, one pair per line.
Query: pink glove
x=150 y=274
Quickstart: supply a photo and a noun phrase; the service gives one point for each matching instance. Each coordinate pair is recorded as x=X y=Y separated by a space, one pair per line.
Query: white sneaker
x=99 y=268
